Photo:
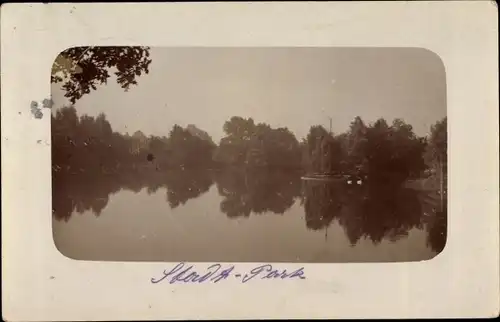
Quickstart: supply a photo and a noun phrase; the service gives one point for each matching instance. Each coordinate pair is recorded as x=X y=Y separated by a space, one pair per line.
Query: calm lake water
x=238 y=216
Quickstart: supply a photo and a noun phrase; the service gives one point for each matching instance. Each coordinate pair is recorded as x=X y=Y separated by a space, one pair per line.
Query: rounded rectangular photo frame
x=338 y=155
x=39 y=283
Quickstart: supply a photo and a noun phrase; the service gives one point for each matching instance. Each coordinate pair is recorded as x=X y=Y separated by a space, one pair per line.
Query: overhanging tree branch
x=82 y=69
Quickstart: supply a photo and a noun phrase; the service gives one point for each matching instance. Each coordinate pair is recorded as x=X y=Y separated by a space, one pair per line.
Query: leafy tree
x=378 y=150
x=160 y=150
x=82 y=69
x=436 y=154
x=257 y=145
x=195 y=131
x=187 y=150
x=83 y=143
x=312 y=156
x=239 y=128
x=230 y=152
x=281 y=148
x=356 y=143
x=408 y=149
x=393 y=152
x=316 y=133
x=233 y=148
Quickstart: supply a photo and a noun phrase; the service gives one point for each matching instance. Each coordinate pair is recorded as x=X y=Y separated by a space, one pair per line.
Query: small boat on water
x=347 y=178
x=324 y=177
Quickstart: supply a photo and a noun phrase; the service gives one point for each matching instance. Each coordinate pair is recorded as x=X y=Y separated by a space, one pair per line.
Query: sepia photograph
x=249 y=154
x=291 y=160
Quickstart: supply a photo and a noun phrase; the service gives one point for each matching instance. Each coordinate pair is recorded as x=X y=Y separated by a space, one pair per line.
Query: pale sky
x=284 y=87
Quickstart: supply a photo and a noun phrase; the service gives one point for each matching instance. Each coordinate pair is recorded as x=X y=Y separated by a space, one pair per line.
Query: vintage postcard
x=336 y=161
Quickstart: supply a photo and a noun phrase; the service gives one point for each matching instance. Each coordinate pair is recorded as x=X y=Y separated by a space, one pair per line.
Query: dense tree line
x=257 y=145
x=378 y=151
x=88 y=144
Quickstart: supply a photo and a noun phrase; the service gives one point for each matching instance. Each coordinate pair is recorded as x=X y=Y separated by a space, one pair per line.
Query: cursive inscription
x=182 y=273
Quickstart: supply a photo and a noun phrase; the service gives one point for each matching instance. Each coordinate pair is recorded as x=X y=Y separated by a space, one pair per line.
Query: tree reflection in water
x=381 y=211
x=435 y=220
x=322 y=203
x=372 y=211
x=80 y=192
x=185 y=185
x=245 y=191
x=437 y=233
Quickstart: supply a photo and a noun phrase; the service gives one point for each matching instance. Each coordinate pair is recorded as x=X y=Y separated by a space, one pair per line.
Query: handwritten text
x=182 y=273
